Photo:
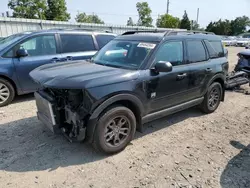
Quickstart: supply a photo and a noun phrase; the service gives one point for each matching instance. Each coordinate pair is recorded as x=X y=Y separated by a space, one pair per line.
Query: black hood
x=80 y=75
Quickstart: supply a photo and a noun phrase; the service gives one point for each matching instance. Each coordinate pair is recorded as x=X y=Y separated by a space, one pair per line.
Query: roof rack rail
x=80 y=29
x=168 y=32
x=189 y=32
x=145 y=31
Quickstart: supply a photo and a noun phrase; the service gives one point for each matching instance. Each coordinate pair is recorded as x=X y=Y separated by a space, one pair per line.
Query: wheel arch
x=220 y=78
x=128 y=100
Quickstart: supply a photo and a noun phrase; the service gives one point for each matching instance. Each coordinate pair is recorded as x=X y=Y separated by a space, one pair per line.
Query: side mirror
x=163 y=66
x=22 y=53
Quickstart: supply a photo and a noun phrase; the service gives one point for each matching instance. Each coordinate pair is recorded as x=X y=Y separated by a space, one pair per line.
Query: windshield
x=10 y=39
x=124 y=54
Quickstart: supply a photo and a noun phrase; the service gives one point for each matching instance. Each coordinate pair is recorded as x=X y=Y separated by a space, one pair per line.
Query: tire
x=214 y=92
x=108 y=124
x=7 y=92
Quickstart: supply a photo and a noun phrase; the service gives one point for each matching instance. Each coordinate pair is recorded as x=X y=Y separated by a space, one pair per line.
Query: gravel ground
x=188 y=149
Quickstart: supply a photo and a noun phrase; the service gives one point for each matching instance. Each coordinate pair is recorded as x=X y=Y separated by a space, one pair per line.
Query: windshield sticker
x=146 y=45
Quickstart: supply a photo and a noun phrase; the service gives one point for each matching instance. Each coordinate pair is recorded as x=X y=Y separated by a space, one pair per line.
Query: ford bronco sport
x=136 y=78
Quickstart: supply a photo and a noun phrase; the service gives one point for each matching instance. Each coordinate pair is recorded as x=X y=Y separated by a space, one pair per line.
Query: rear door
x=42 y=49
x=77 y=46
x=201 y=68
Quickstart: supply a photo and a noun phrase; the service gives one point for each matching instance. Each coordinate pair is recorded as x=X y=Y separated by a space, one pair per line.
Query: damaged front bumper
x=46 y=112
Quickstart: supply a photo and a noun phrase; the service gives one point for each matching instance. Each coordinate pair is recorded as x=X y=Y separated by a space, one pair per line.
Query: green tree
x=185 y=22
x=31 y=9
x=130 y=22
x=84 y=18
x=57 y=10
x=239 y=25
x=144 y=12
x=168 y=21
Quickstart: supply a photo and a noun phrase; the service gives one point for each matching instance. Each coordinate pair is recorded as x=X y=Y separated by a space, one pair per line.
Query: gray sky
x=117 y=11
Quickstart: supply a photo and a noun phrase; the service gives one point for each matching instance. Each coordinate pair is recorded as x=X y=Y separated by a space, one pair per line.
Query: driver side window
x=37 y=46
x=171 y=52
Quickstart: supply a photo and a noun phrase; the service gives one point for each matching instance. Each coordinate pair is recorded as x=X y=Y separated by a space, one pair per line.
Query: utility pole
x=198 y=12
x=168 y=6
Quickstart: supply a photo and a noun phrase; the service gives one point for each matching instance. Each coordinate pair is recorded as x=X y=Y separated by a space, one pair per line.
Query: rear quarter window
x=102 y=40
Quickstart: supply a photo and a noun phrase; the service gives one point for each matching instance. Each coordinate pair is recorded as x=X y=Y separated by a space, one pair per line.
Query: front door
x=169 y=89
x=42 y=50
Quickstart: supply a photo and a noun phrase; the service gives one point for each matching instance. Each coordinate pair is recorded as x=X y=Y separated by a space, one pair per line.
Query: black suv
x=136 y=78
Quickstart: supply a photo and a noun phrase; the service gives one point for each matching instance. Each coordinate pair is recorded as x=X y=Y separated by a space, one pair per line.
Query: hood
x=80 y=75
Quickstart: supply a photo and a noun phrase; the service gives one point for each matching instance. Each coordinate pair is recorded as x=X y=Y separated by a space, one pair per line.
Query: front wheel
x=115 y=129
x=7 y=92
x=212 y=98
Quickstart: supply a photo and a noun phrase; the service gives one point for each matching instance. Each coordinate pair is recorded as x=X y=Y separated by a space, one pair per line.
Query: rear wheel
x=115 y=129
x=7 y=92
x=212 y=98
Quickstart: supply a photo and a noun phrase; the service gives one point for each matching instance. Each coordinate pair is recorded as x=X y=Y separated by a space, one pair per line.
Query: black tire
x=107 y=125
x=6 y=84
x=207 y=106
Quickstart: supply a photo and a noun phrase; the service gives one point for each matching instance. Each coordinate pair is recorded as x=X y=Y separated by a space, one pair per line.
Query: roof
x=87 y=31
x=157 y=37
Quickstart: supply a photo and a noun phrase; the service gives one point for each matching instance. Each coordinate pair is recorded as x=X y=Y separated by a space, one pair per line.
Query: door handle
x=55 y=59
x=209 y=70
x=69 y=58
x=181 y=76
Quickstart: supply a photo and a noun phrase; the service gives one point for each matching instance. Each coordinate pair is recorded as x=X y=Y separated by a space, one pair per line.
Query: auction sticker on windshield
x=146 y=45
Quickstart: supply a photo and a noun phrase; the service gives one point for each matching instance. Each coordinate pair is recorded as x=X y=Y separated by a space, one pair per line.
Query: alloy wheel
x=117 y=131
x=4 y=93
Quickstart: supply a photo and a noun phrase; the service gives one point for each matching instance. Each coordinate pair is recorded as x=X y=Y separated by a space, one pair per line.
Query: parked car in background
x=23 y=52
x=243 y=42
x=229 y=41
x=105 y=100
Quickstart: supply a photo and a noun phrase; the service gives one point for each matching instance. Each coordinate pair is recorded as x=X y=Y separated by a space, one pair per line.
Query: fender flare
x=93 y=119
x=135 y=100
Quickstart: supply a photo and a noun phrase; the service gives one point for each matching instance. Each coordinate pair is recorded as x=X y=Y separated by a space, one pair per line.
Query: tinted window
x=217 y=45
x=102 y=40
x=171 y=52
x=77 y=43
x=37 y=46
x=211 y=51
x=196 y=51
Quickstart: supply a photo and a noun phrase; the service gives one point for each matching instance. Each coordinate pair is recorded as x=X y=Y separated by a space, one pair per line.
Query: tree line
x=57 y=10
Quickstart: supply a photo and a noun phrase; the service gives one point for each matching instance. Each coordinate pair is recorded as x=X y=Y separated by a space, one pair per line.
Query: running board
x=171 y=110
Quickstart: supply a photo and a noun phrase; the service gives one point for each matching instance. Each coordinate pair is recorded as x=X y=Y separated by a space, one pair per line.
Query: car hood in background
x=80 y=75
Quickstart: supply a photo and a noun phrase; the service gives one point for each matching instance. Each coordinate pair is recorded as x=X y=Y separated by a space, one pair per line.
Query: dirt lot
x=188 y=149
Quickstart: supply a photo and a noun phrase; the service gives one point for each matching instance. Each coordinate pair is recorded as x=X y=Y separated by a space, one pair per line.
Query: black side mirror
x=22 y=53
x=163 y=66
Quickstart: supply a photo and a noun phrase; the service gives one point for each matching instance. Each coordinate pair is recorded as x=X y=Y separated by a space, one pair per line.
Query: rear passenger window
x=217 y=45
x=196 y=51
x=77 y=43
x=102 y=40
